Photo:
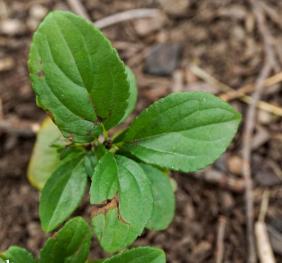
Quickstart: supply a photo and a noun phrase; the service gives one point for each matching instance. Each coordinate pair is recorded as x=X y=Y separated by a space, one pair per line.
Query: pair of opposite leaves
x=80 y=80
x=72 y=243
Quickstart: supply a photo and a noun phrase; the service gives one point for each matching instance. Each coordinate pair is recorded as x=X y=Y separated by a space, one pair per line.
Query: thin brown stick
x=19 y=127
x=224 y=181
x=270 y=63
x=263 y=244
x=234 y=94
x=202 y=74
x=1 y=110
x=78 y=8
x=246 y=169
x=125 y=16
x=264 y=206
x=265 y=252
x=272 y=14
x=220 y=240
x=267 y=38
x=3 y=10
x=265 y=106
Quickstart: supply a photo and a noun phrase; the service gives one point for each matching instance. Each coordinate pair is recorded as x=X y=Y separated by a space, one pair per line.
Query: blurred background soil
x=207 y=45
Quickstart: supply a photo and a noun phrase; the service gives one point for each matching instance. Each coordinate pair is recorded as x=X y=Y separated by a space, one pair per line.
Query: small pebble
x=163 y=59
x=6 y=63
x=235 y=164
x=38 y=11
x=175 y=7
x=227 y=201
x=32 y=24
x=201 y=249
x=33 y=229
x=146 y=26
x=12 y=27
x=264 y=117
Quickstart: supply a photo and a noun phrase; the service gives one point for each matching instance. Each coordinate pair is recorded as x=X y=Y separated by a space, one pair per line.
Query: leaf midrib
x=134 y=141
x=131 y=129
x=51 y=90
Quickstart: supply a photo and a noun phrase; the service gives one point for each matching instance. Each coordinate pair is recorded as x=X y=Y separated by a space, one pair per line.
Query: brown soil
x=221 y=37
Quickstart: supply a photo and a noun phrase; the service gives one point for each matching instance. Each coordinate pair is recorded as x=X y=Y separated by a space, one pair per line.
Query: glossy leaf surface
x=139 y=255
x=104 y=184
x=18 y=255
x=121 y=223
x=164 y=200
x=77 y=76
x=70 y=245
x=184 y=131
x=63 y=191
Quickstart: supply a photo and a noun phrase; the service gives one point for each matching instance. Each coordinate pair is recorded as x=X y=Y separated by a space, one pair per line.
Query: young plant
x=81 y=82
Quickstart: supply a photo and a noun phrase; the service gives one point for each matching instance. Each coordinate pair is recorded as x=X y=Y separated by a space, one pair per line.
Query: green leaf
x=104 y=184
x=164 y=200
x=18 y=255
x=117 y=225
x=112 y=231
x=77 y=76
x=183 y=131
x=63 y=191
x=90 y=161
x=70 y=245
x=45 y=156
x=132 y=93
x=139 y=255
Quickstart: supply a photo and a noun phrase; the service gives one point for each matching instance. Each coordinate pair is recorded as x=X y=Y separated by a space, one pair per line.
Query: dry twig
x=200 y=73
x=222 y=180
x=246 y=169
x=270 y=56
x=269 y=64
x=263 y=243
x=1 y=110
x=125 y=16
x=78 y=8
x=246 y=152
x=265 y=106
x=272 y=14
x=220 y=240
x=3 y=10
x=234 y=94
x=264 y=206
x=19 y=127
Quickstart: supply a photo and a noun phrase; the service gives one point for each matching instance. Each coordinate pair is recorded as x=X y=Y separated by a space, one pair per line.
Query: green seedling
x=86 y=89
